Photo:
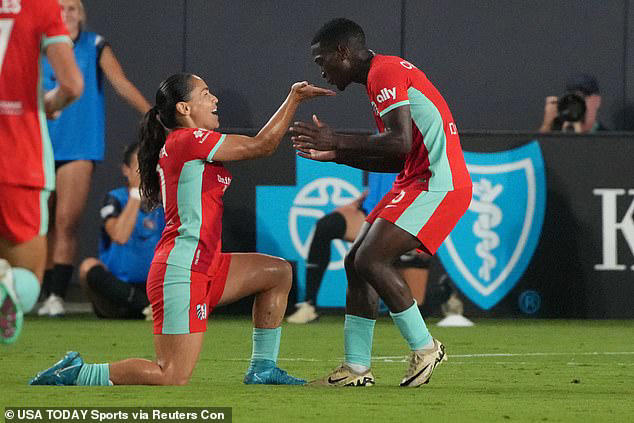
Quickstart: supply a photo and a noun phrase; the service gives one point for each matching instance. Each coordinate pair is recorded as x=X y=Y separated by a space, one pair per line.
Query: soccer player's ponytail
x=156 y=124
x=151 y=138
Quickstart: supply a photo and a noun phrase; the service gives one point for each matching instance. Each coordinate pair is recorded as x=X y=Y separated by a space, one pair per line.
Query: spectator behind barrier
x=577 y=109
x=344 y=223
x=115 y=283
x=78 y=138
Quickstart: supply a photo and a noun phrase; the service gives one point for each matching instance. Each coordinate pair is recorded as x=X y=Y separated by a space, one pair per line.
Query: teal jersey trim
x=47 y=41
x=420 y=211
x=176 y=300
x=394 y=106
x=429 y=122
x=48 y=161
x=44 y=196
x=213 y=150
x=190 y=183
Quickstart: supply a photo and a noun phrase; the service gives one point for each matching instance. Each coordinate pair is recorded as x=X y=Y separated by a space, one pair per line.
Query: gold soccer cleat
x=344 y=376
x=422 y=365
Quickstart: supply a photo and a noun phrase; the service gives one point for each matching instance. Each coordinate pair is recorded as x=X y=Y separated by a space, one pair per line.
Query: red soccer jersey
x=192 y=186
x=27 y=27
x=436 y=159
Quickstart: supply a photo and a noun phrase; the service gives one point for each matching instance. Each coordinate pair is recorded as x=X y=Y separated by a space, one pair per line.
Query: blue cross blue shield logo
x=286 y=218
x=491 y=246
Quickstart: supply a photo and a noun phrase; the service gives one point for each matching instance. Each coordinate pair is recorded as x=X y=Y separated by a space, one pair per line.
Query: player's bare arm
x=120 y=228
x=389 y=164
x=241 y=147
x=70 y=81
x=123 y=86
x=392 y=164
x=395 y=142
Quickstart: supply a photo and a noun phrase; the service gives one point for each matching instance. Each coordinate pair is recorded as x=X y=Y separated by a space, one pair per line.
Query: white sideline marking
x=402 y=358
x=535 y=354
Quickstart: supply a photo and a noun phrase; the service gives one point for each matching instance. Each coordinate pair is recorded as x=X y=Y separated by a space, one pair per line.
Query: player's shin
x=266 y=347
x=94 y=375
x=263 y=369
x=358 y=333
x=412 y=326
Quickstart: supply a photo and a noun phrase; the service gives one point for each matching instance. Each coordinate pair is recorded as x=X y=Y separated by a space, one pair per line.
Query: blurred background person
x=115 y=282
x=27 y=177
x=344 y=223
x=577 y=109
x=78 y=138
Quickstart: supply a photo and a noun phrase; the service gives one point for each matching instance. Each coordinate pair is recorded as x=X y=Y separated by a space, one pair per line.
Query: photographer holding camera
x=575 y=111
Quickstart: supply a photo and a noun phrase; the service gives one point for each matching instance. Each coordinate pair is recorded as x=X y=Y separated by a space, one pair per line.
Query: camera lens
x=571 y=107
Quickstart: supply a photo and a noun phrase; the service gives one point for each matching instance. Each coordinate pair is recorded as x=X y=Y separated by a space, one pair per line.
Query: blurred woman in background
x=78 y=138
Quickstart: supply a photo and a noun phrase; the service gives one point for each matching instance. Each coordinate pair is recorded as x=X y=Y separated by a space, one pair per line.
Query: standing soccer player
x=27 y=29
x=418 y=138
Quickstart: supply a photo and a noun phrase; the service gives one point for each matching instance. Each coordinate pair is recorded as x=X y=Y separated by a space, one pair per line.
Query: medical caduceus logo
x=286 y=218
x=489 y=217
x=491 y=246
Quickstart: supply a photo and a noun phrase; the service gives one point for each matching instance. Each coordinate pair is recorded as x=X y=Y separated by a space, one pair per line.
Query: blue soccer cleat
x=62 y=373
x=11 y=316
x=271 y=376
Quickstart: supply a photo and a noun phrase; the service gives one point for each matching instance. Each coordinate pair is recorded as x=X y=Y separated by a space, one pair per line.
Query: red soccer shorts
x=23 y=213
x=182 y=300
x=428 y=215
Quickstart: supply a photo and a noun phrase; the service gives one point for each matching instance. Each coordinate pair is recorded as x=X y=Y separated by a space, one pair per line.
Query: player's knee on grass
x=173 y=374
x=178 y=380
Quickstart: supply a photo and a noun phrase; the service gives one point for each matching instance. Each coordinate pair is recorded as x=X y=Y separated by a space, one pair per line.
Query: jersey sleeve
x=52 y=27
x=388 y=88
x=110 y=208
x=100 y=44
x=202 y=144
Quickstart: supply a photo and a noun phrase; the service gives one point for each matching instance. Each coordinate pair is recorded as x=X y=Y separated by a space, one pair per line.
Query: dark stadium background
x=494 y=62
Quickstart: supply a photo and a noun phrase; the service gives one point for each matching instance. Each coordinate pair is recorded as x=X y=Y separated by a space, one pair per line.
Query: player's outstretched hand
x=304 y=91
x=320 y=156
x=313 y=136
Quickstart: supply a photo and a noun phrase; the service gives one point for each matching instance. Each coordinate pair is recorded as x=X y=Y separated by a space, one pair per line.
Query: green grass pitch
x=499 y=370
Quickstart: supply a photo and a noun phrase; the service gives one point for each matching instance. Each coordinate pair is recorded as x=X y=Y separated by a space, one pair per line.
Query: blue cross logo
x=286 y=217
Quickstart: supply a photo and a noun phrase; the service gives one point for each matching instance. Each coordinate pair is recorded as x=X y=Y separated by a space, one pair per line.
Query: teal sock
x=27 y=287
x=266 y=347
x=412 y=327
x=94 y=375
x=357 y=339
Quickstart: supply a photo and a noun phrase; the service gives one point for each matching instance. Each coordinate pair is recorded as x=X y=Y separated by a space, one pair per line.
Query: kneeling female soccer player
x=180 y=161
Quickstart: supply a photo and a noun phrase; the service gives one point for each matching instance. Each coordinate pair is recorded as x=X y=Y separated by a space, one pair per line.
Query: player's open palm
x=305 y=91
x=316 y=135
x=320 y=156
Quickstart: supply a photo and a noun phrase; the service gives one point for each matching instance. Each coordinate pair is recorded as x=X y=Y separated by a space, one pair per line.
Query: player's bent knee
x=348 y=261
x=171 y=380
x=285 y=277
x=366 y=267
x=85 y=267
x=173 y=375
